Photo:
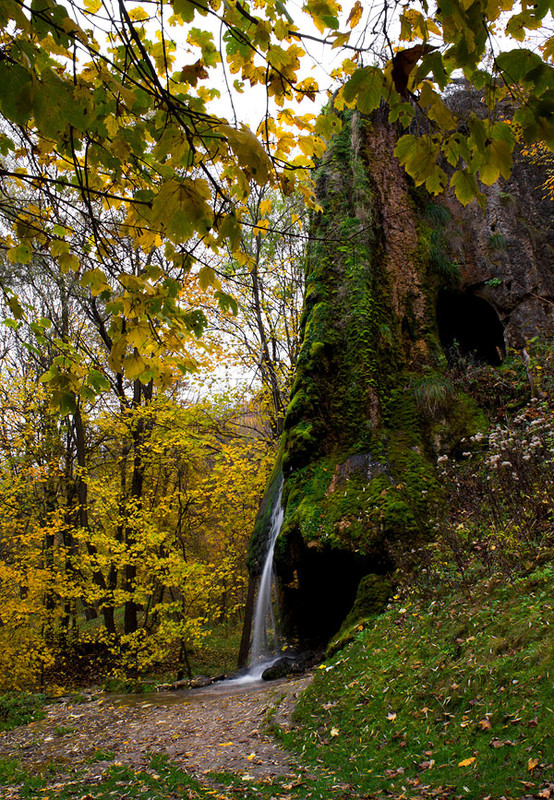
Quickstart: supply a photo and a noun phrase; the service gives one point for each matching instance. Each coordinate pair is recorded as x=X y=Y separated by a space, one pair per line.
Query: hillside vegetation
x=452 y=694
x=451 y=690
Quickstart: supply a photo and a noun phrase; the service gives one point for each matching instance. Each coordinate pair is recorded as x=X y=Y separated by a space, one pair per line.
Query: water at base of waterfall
x=265 y=648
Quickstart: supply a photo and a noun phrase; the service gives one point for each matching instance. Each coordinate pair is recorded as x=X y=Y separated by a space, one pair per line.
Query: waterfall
x=265 y=647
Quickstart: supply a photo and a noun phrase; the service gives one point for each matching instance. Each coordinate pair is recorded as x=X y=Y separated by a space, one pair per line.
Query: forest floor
x=201 y=732
x=448 y=697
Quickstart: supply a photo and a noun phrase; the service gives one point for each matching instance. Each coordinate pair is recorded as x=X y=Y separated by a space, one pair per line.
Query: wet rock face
x=396 y=280
x=505 y=254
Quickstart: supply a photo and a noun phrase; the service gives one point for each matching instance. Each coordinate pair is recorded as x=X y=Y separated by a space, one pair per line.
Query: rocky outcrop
x=398 y=284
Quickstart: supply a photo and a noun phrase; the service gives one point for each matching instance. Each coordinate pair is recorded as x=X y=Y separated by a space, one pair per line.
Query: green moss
x=316 y=350
x=370 y=400
x=302 y=443
x=299 y=408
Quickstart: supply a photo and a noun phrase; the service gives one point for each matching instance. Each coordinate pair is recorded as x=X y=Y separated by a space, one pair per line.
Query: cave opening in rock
x=315 y=604
x=469 y=326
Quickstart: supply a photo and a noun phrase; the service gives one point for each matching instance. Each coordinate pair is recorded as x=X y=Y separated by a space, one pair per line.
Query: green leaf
x=185 y=9
x=418 y=155
x=280 y=6
x=229 y=230
x=16 y=92
x=20 y=254
x=515 y=64
x=207 y=277
x=466 y=189
x=537 y=119
x=433 y=62
x=68 y=262
x=183 y=208
x=366 y=86
x=9 y=10
x=49 y=375
x=195 y=321
x=98 y=381
x=95 y=279
x=6 y=144
x=497 y=161
x=66 y=402
x=436 y=109
x=227 y=302
x=249 y=152
x=15 y=307
x=133 y=366
x=327 y=125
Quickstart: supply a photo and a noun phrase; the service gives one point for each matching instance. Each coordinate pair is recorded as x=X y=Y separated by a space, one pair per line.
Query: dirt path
x=200 y=731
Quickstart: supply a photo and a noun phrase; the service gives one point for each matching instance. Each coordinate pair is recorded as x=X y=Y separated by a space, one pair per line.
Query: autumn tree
x=124 y=509
x=266 y=281
x=115 y=109
x=203 y=474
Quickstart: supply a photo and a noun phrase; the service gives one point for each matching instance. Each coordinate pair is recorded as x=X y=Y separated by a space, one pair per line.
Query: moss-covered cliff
x=372 y=405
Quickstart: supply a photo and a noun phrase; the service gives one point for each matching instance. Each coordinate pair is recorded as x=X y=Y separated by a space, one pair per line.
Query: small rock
x=283 y=666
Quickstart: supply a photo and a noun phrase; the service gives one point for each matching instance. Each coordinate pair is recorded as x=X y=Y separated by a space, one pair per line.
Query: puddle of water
x=220 y=689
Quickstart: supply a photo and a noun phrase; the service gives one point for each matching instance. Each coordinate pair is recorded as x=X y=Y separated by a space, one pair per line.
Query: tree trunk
x=83 y=519
x=244 y=649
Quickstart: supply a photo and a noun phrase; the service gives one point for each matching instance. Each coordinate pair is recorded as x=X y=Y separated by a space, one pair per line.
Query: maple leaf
x=403 y=64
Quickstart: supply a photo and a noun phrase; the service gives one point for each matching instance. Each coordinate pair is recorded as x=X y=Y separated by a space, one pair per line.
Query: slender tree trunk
x=247 y=627
x=267 y=364
x=140 y=431
x=83 y=519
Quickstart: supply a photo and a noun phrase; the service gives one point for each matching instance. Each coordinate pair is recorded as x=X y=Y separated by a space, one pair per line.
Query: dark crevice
x=318 y=594
x=470 y=327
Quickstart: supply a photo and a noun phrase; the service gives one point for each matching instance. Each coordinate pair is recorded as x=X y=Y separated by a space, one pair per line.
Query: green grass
x=450 y=697
x=455 y=693
x=160 y=781
x=19 y=709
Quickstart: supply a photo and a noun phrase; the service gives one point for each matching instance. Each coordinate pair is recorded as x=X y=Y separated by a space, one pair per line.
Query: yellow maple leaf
x=355 y=15
x=466 y=762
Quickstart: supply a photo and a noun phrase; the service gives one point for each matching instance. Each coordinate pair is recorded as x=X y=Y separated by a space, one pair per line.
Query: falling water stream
x=266 y=647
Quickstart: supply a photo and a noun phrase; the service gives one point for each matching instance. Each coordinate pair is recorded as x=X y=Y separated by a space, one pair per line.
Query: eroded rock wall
x=372 y=404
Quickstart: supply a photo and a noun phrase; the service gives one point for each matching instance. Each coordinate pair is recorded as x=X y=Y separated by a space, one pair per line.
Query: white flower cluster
x=528 y=438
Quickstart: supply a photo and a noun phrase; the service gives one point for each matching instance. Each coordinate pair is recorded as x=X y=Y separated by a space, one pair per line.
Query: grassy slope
x=457 y=693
